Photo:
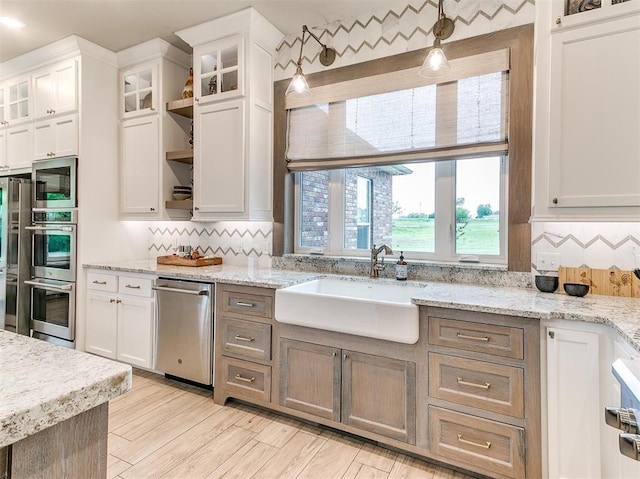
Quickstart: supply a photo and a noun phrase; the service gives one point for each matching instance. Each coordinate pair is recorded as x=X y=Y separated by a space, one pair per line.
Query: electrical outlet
x=547 y=261
x=238 y=248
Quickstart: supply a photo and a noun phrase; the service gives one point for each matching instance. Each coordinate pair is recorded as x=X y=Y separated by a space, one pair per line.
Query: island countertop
x=42 y=385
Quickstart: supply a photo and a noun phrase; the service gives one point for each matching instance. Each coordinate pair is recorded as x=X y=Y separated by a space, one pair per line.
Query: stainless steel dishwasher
x=184 y=336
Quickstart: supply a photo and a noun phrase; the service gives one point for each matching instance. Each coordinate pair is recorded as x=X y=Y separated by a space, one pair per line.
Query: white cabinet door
x=55 y=90
x=136 y=331
x=573 y=402
x=56 y=137
x=101 y=337
x=140 y=166
x=219 y=159
x=19 y=146
x=594 y=139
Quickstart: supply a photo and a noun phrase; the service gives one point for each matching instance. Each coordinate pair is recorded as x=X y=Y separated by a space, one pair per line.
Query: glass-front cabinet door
x=138 y=88
x=218 y=70
x=14 y=101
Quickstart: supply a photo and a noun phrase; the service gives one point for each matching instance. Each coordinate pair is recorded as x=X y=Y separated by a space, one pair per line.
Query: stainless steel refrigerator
x=15 y=254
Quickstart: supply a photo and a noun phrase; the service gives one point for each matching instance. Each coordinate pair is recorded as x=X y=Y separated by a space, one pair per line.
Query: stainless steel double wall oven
x=54 y=239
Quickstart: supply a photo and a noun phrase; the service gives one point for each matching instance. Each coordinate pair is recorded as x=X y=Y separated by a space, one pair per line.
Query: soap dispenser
x=401 y=268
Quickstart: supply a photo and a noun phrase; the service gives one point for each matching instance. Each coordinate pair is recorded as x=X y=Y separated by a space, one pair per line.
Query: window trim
x=519 y=40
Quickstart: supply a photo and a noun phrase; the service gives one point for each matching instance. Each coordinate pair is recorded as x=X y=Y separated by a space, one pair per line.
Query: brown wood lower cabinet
x=494 y=448
x=372 y=393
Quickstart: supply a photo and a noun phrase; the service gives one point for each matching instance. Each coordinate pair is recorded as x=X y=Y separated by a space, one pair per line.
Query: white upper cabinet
x=150 y=74
x=233 y=116
x=55 y=89
x=587 y=141
x=139 y=90
x=218 y=70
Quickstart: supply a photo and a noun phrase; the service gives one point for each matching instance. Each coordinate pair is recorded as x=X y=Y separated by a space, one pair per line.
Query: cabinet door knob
x=196 y=208
x=346 y=356
x=558 y=21
x=555 y=201
x=152 y=209
x=196 y=99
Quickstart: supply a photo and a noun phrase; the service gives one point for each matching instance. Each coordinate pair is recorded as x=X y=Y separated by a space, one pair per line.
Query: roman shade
x=400 y=117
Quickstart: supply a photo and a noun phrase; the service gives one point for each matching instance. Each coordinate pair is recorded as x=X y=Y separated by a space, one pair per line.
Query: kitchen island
x=53 y=408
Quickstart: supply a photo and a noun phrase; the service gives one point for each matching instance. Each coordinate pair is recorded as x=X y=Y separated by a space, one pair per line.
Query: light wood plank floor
x=166 y=429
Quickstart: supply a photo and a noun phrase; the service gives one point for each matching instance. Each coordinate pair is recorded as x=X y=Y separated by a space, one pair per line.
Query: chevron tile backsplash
x=234 y=241
x=593 y=245
x=397 y=30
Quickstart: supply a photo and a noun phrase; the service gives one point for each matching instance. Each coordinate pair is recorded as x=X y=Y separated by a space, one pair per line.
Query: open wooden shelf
x=183 y=107
x=179 y=205
x=181 y=156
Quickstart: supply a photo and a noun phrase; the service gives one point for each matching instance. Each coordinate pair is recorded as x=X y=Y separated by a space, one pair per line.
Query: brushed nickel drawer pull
x=132 y=287
x=246 y=380
x=95 y=281
x=244 y=338
x=244 y=305
x=474 y=385
x=473 y=338
x=486 y=444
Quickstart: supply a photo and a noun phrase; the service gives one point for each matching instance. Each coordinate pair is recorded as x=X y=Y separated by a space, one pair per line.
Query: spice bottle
x=401 y=268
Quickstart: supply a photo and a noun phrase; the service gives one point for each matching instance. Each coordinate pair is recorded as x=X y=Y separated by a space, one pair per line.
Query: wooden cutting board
x=608 y=282
x=178 y=261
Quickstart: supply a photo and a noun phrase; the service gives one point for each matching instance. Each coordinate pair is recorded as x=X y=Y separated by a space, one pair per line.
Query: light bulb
x=298 y=86
x=435 y=64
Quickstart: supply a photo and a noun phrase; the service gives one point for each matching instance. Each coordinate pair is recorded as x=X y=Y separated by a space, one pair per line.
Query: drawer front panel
x=485 y=446
x=246 y=338
x=135 y=286
x=488 y=386
x=102 y=282
x=247 y=380
x=247 y=304
x=485 y=338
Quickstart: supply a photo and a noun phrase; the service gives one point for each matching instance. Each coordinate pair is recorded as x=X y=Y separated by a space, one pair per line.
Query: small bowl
x=546 y=284
x=181 y=196
x=576 y=289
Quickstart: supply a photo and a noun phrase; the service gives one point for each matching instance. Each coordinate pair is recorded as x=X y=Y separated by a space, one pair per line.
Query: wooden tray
x=178 y=261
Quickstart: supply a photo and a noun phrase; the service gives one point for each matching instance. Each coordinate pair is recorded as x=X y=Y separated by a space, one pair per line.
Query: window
x=437 y=209
x=396 y=206
x=453 y=180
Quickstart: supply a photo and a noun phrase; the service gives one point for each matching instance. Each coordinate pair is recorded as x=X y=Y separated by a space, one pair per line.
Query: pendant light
x=299 y=86
x=436 y=63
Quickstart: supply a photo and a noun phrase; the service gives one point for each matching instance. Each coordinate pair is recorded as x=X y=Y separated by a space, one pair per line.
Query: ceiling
x=119 y=24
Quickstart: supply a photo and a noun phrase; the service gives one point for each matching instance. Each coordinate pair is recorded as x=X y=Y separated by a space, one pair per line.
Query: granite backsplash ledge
x=471 y=273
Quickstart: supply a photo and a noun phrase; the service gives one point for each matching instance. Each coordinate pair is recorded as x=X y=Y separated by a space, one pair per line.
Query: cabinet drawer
x=102 y=282
x=484 y=338
x=246 y=380
x=246 y=304
x=135 y=286
x=485 y=446
x=488 y=386
x=246 y=338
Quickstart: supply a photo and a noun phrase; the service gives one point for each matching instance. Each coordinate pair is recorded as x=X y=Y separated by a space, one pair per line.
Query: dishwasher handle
x=202 y=292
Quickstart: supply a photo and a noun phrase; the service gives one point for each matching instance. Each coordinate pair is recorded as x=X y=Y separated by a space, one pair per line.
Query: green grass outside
x=479 y=236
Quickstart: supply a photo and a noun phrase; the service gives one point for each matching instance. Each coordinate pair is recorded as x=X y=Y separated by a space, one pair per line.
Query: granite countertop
x=43 y=384
x=265 y=277
x=622 y=314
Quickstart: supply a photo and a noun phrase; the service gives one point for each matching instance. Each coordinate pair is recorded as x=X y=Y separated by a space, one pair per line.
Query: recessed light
x=11 y=22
